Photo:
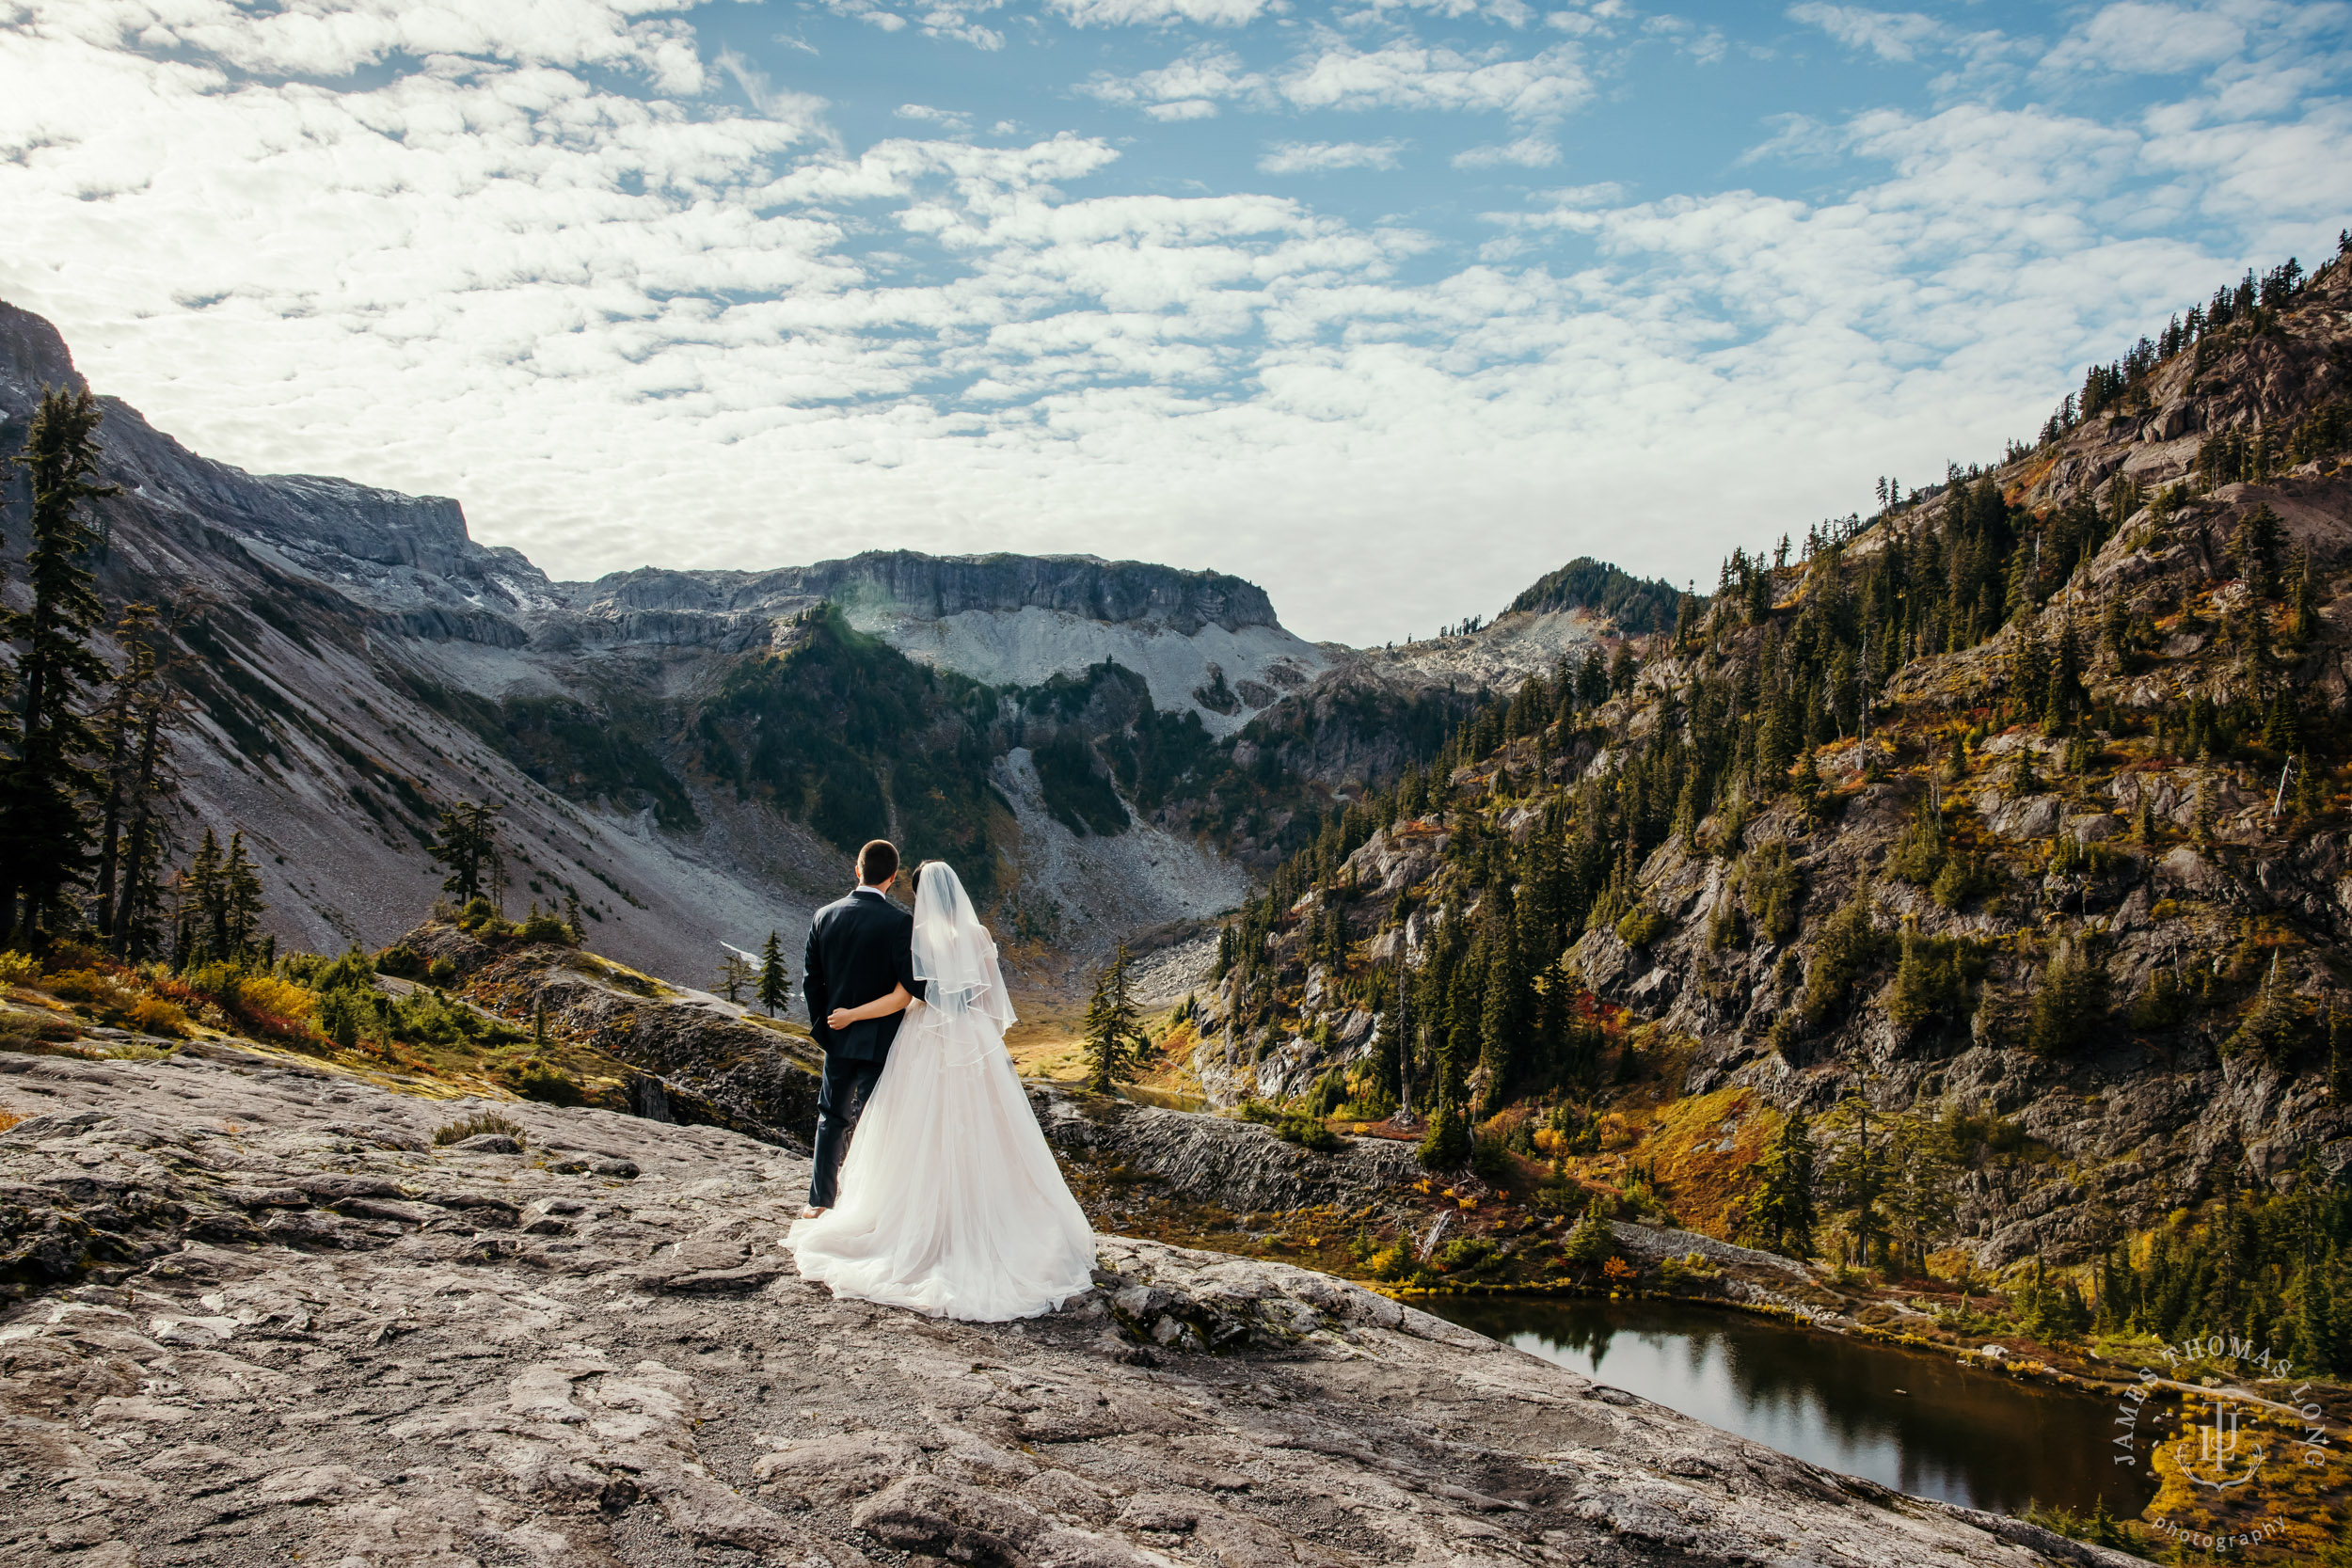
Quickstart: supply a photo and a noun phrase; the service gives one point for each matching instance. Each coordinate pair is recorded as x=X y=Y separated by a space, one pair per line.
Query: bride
x=950 y=1200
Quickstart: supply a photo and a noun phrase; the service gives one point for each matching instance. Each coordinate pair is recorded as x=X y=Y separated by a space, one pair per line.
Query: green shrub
x=342 y=1017
x=1845 y=950
x=545 y=927
x=442 y=972
x=1259 y=1111
x=1447 y=1143
x=2070 y=1003
x=1772 y=885
x=1592 y=1242
x=1962 y=877
x=1559 y=1198
x=2162 y=1002
x=550 y=1085
x=475 y=1125
x=1932 y=979
x=1918 y=855
x=1468 y=1256
x=401 y=960
x=1490 y=1157
x=1641 y=926
x=1308 y=1133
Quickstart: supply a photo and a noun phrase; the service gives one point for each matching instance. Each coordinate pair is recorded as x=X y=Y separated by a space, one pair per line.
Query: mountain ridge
x=356 y=660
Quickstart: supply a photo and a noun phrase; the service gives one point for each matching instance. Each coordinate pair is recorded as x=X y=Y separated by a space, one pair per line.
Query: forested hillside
x=1978 y=867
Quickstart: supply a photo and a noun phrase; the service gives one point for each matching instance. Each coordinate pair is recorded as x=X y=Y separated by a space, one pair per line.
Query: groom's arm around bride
x=859 y=950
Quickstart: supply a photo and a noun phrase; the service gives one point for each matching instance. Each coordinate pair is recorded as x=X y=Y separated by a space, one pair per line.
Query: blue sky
x=1388 y=307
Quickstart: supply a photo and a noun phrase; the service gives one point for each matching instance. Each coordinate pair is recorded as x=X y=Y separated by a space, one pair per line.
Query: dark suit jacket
x=858 y=948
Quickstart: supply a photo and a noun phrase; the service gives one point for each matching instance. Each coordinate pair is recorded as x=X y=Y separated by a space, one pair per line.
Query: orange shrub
x=265 y=996
x=152 y=1015
x=88 y=986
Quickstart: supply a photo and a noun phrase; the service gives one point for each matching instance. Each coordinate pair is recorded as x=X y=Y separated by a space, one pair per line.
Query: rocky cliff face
x=256 y=1315
x=934 y=588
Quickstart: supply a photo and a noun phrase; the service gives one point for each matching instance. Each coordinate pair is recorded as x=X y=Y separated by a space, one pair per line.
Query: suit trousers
x=841 y=1096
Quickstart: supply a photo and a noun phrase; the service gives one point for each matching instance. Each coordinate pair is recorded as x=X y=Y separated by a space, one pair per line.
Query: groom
x=858 y=947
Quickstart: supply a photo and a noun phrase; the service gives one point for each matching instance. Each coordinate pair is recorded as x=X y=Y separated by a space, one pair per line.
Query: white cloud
x=946 y=120
x=1510 y=13
x=628 y=328
x=2136 y=37
x=1130 y=13
x=334 y=39
x=1201 y=77
x=1400 y=75
x=778 y=104
x=1889 y=35
x=1291 y=157
x=1526 y=152
x=944 y=19
x=1414 y=77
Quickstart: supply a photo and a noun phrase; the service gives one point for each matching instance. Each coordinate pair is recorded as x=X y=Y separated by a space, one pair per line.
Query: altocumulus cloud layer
x=1387 y=305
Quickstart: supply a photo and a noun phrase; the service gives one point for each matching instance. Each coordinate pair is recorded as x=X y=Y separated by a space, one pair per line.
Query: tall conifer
x=44 y=823
x=776 y=985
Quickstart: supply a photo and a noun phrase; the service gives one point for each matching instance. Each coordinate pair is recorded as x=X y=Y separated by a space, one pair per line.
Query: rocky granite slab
x=257 y=1318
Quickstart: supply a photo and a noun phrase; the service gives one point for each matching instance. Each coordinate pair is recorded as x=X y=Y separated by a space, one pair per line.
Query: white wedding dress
x=950 y=1201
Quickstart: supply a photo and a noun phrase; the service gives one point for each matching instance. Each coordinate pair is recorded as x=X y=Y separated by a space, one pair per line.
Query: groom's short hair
x=877 y=862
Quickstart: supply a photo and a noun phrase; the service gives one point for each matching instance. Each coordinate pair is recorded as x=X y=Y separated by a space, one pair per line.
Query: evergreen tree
x=2280 y=730
x=1503 y=1021
x=2256 y=550
x=1928 y=983
x=1921 y=1197
x=2304 y=626
x=1779 y=1215
x=1593 y=1242
x=1114 y=1032
x=198 y=894
x=1846 y=950
x=2064 y=698
x=237 y=916
x=1592 y=677
x=775 y=986
x=1805 y=782
x=468 y=846
x=736 y=975
x=571 y=920
x=118 y=739
x=1447 y=1143
x=2070 y=1003
x=220 y=906
x=1856 y=1177
x=1623 y=670
x=2273 y=1027
x=133 y=855
x=45 y=827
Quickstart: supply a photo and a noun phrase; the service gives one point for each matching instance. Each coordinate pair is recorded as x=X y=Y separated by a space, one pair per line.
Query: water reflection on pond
x=1965 y=1436
x=1173 y=1099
